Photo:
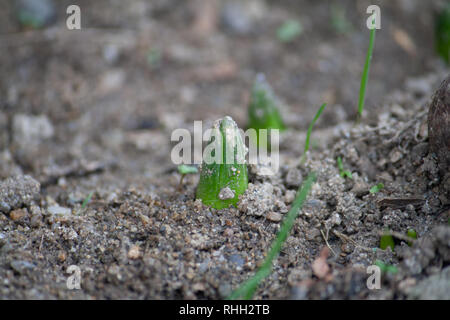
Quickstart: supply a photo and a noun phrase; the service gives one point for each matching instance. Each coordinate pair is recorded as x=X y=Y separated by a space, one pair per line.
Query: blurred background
x=139 y=69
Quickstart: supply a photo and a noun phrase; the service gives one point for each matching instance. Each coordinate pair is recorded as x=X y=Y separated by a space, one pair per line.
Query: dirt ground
x=92 y=111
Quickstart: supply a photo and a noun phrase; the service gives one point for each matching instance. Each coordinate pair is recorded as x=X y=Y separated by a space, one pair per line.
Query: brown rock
x=320 y=266
x=18 y=214
x=439 y=125
x=62 y=256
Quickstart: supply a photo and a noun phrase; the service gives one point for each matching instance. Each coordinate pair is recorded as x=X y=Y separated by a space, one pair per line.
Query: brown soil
x=93 y=110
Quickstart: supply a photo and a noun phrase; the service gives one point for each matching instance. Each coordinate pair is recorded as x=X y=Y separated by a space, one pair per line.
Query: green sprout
x=263 y=110
x=376 y=188
x=442 y=34
x=365 y=75
x=223 y=175
x=154 y=57
x=86 y=200
x=289 y=31
x=248 y=288
x=184 y=170
x=386 y=268
x=339 y=20
x=308 y=133
x=412 y=234
x=342 y=172
x=386 y=240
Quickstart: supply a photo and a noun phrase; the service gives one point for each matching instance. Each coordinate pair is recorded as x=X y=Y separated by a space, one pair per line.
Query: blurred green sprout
x=263 y=111
x=442 y=33
x=365 y=75
x=184 y=169
x=308 y=133
x=386 y=268
x=289 y=31
x=412 y=234
x=87 y=200
x=343 y=173
x=339 y=21
x=376 y=188
x=386 y=241
x=154 y=57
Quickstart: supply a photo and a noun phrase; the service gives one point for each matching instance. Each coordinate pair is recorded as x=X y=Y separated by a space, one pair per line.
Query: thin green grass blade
x=308 y=133
x=86 y=200
x=365 y=75
x=343 y=173
x=248 y=288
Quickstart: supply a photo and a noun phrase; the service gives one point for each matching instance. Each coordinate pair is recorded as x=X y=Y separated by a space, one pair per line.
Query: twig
x=40 y=244
x=346 y=238
x=325 y=238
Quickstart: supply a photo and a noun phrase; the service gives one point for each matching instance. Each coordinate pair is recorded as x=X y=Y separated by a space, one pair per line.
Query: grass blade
x=248 y=288
x=308 y=133
x=86 y=200
x=365 y=75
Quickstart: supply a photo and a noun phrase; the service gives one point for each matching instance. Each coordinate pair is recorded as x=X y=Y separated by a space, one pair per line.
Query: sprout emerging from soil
x=377 y=188
x=263 y=110
x=289 y=31
x=248 y=288
x=308 y=133
x=439 y=127
x=412 y=234
x=343 y=173
x=365 y=76
x=386 y=268
x=86 y=200
x=184 y=170
x=442 y=33
x=386 y=241
x=223 y=176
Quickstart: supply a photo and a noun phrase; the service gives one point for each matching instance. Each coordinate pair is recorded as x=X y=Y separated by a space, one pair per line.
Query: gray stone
x=294 y=178
x=20 y=266
x=19 y=191
x=235 y=18
x=436 y=287
x=29 y=131
x=58 y=210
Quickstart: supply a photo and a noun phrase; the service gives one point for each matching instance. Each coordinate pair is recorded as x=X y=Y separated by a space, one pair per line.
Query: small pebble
x=294 y=177
x=289 y=197
x=20 y=266
x=274 y=216
x=226 y=193
x=134 y=252
x=228 y=232
x=18 y=214
x=57 y=210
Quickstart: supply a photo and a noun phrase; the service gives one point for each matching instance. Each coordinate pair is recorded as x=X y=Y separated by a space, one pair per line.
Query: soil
x=90 y=113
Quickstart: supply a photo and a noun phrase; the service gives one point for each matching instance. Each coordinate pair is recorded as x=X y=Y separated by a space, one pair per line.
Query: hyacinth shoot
x=263 y=110
x=223 y=175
